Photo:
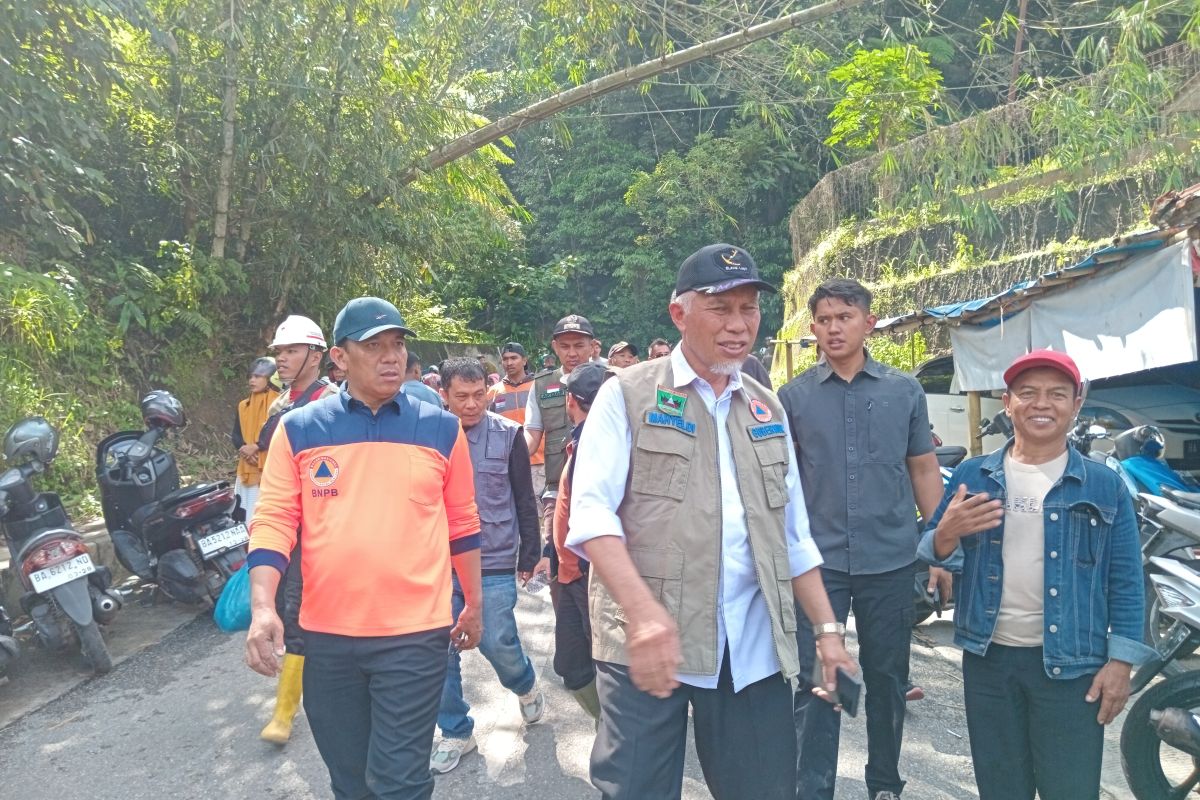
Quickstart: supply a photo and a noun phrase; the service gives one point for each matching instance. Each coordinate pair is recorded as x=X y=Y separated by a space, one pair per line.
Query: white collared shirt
x=598 y=487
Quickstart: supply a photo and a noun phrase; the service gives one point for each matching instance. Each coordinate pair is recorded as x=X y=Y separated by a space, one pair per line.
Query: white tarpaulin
x=1125 y=318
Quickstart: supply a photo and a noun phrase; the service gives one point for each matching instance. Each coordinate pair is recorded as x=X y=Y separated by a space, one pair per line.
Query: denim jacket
x=1094 y=595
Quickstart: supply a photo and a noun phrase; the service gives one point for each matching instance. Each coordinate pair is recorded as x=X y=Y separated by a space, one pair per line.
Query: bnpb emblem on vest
x=760 y=410
x=323 y=471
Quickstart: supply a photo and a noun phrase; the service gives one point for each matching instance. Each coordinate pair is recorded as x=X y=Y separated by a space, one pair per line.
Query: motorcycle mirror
x=1097 y=431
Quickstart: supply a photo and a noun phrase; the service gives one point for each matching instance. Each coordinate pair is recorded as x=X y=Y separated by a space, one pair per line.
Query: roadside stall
x=1126 y=308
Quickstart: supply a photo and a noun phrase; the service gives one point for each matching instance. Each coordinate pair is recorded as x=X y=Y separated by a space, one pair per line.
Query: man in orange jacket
x=383 y=488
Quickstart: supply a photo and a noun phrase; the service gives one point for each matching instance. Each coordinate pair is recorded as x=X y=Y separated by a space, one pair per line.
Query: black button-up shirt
x=853 y=440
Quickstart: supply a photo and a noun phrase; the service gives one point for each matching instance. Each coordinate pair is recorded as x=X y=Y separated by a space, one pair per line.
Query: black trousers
x=573 y=635
x=883 y=618
x=372 y=703
x=745 y=740
x=287 y=604
x=1029 y=732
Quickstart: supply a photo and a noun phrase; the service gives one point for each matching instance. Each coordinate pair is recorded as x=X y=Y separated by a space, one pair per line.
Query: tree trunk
x=228 y=120
x=1018 y=47
x=610 y=83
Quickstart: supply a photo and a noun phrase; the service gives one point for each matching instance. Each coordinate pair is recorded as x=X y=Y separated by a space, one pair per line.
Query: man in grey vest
x=687 y=502
x=508 y=522
x=546 y=420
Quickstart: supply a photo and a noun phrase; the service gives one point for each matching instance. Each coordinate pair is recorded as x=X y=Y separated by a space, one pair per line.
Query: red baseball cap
x=1043 y=358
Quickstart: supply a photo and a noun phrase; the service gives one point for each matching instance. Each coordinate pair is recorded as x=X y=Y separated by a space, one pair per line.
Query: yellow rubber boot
x=287 y=700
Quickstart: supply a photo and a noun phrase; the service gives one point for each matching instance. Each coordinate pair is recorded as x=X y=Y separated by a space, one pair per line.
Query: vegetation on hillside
x=176 y=176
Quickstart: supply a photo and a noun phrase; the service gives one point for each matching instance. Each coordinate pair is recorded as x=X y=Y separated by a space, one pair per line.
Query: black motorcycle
x=186 y=540
x=1160 y=739
x=10 y=651
x=66 y=595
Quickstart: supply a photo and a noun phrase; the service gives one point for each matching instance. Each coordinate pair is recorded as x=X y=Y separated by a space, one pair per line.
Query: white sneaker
x=533 y=705
x=449 y=752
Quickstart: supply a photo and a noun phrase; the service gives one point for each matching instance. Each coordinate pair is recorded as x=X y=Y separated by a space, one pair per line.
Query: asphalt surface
x=180 y=718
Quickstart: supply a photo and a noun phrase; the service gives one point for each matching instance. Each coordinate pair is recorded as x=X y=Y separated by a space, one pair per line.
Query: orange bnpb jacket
x=383 y=501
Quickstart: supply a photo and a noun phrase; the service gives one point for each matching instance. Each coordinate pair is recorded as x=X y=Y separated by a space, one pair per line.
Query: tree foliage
x=888 y=96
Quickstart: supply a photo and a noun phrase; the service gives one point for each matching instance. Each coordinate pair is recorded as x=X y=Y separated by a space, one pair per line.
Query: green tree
x=890 y=95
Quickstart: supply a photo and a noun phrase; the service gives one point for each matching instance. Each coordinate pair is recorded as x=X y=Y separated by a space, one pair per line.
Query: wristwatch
x=826 y=628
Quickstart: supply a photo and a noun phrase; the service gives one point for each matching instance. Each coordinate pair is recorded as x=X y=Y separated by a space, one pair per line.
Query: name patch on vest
x=661 y=420
x=770 y=431
x=552 y=392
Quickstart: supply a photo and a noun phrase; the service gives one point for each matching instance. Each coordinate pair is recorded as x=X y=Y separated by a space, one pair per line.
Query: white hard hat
x=298 y=330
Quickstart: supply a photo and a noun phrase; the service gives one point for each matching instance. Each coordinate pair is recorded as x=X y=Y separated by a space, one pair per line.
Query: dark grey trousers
x=746 y=740
x=372 y=703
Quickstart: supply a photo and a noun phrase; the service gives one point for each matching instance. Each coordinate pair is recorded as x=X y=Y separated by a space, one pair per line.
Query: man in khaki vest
x=546 y=422
x=687 y=503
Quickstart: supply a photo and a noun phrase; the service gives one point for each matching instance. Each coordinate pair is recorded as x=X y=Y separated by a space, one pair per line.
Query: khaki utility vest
x=671 y=514
x=551 y=397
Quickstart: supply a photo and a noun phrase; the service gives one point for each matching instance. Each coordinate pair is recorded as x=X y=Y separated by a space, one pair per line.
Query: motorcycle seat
x=187 y=493
x=949 y=455
x=1188 y=499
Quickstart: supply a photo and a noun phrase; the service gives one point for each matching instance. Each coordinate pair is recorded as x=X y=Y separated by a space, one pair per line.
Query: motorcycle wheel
x=94 y=648
x=1153 y=769
x=1157 y=626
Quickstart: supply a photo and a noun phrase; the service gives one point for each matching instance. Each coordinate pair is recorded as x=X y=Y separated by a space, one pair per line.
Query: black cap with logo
x=718 y=268
x=513 y=347
x=573 y=323
x=584 y=381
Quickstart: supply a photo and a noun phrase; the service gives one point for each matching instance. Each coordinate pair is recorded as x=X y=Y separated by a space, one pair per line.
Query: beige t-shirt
x=1022 y=598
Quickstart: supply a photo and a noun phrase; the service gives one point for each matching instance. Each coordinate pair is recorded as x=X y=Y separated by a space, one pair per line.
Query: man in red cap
x=1049 y=612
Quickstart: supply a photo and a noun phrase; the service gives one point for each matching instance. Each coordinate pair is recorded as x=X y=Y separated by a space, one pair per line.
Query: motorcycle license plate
x=223 y=540
x=46 y=579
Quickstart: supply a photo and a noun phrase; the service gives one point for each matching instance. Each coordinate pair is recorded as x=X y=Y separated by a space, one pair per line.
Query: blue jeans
x=501 y=646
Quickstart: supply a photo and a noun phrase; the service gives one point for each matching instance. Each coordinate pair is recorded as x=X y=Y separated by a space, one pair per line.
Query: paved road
x=181 y=717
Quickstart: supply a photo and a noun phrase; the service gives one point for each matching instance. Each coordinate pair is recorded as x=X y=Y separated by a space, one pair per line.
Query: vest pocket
x=493 y=492
x=662 y=462
x=787 y=598
x=773 y=458
x=662 y=570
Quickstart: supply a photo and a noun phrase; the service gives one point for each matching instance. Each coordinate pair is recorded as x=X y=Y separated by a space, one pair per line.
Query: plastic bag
x=232 y=612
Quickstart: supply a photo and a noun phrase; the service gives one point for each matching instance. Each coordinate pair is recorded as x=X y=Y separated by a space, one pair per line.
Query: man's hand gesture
x=652 y=642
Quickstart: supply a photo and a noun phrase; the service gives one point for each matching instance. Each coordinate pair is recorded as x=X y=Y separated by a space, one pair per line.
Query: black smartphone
x=849 y=690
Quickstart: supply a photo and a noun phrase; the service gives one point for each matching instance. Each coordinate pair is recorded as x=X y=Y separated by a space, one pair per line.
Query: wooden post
x=790 y=368
x=974 y=418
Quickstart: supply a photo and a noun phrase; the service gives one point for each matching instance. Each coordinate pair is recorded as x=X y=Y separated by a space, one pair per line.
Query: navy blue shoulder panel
x=332 y=422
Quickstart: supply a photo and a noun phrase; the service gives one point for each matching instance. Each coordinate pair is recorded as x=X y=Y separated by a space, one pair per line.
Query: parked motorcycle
x=186 y=540
x=1169 y=527
x=1140 y=450
x=10 y=651
x=1155 y=766
x=66 y=595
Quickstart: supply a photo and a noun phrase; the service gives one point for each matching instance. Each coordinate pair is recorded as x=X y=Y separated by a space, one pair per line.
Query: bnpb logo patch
x=760 y=410
x=323 y=471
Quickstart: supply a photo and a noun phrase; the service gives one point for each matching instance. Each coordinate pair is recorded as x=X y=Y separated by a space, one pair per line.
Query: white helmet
x=298 y=330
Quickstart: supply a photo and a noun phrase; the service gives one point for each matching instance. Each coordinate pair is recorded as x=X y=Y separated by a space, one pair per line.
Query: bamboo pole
x=974 y=420
x=578 y=95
